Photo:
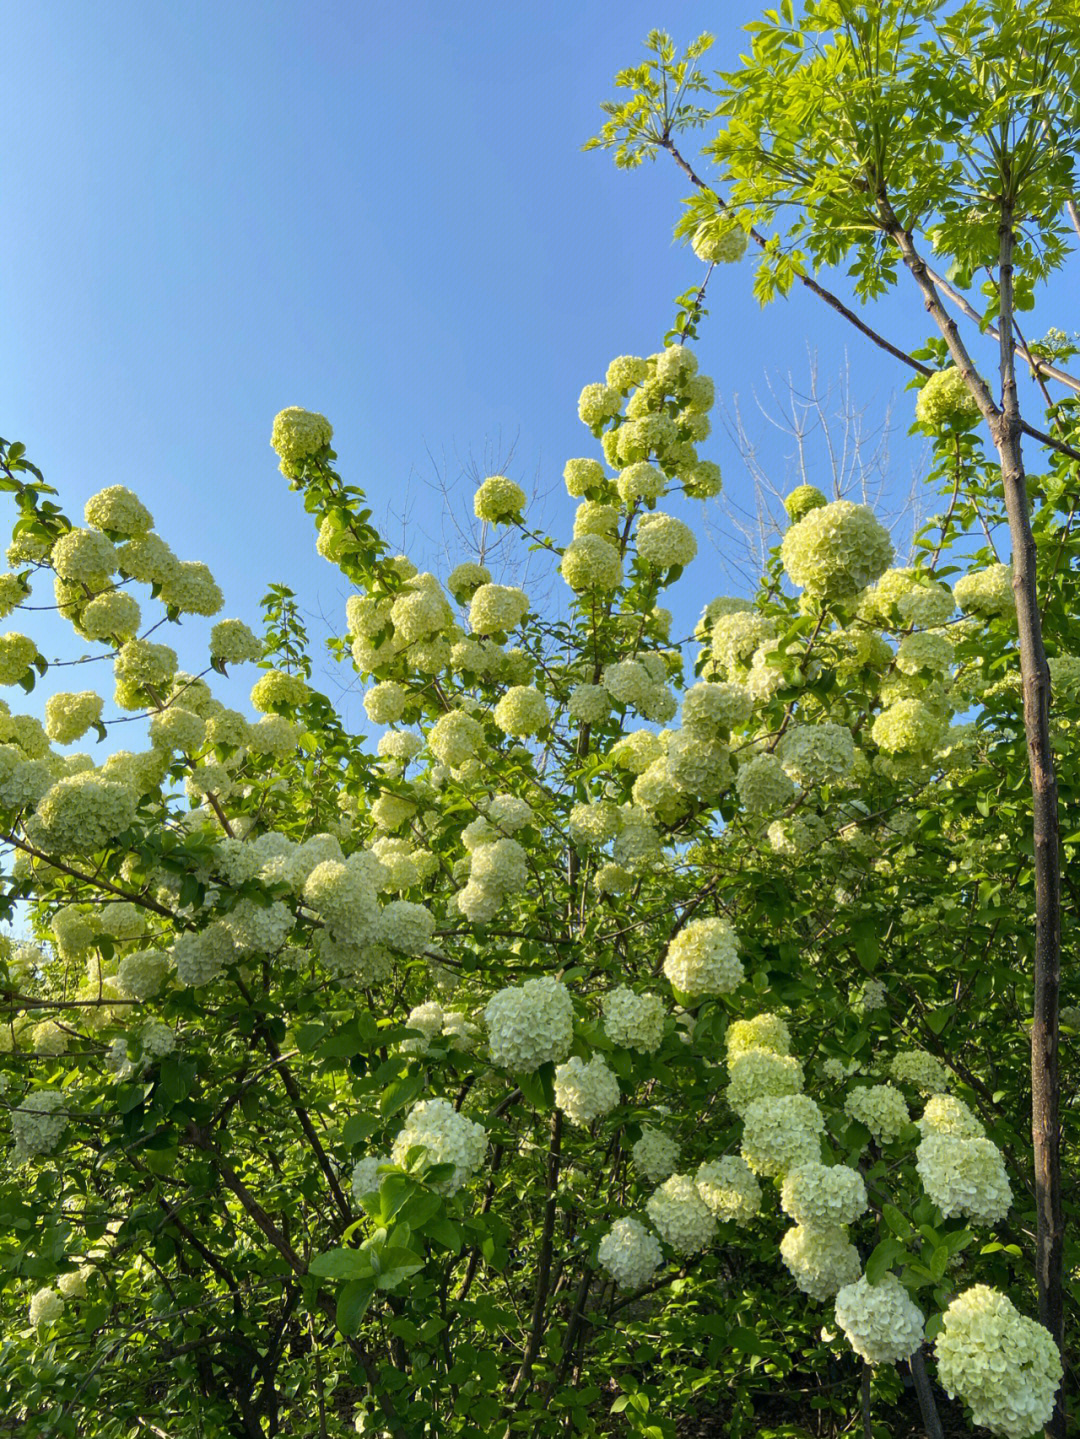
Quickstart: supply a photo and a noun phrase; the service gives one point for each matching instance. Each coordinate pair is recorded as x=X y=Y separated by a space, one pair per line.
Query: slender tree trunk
x=1006 y=428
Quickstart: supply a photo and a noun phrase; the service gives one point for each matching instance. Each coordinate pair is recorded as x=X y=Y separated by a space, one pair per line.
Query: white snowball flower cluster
x=72 y=1283
x=590 y=704
x=663 y=541
x=628 y=682
x=821 y=1260
x=69 y=716
x=945 y=402
x=908 y=726
x=868 y=996
x=964 y=1176
x=232 y=642
x=591 y=562
x=522 y=711
x=630 y=1253
x=448 y=1137
x=497 y=868
x=259 y=929
x=945 y=1115
x=729 y=1188
x=703 y=958
x=880 y=1321
x=46 y=1307
x=36 y=1126
x=715 y=709
x=81 y=812
x=761 y=1074
x=454 y=738
x=498 y=500
x=633 y=1021
x=200 y=958
x=764 y=1031
x=496 y=609
x=118 y=510
x=781 y=1133
x=654 y=1154
x=822 y=1195
x=595 y=823
x=585 y=1091
x=405 y=927
x=986 y=592
x=836 y=550
x=680 y=1216
x=816 y=754
x=1004 y=1365
x=365 y=1175
x=530 y=1024
x=881 y=1108
x=920 y=1069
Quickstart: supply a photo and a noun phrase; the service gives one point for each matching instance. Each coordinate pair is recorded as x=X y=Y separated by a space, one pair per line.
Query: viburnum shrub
x=575 y=1045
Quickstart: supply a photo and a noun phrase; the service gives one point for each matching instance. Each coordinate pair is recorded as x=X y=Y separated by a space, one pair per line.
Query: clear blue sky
x=383 y=213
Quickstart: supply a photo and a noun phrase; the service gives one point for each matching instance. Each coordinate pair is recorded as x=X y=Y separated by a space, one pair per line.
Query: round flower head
x=908 y=726
x=192 y=590
x=447 y=1136
x=836 y=550
x=455 y=737
x=598 y=403
x=964 y=1176
x=111 y=616
x=69 y=716
x=590 y=704
x=591 y=563
x=655 y=1155
x=143 y=973
x=594 y=518
x=497 y=608
x=298 y=434
x=83 y=556
x=680 y=1216
x=781 y=1133
x=633 y=1021
x=276 y=689
x=881 y=1108
x=986 y=592
x=498 y=500
x=405 y=927
x=582 y=476
x=119 y=511
x=819 y=1195
x=880 y=1321
x=1002 y=1364
x=148 y=559
x=945 y=403
x=817 y=753
x=640 y=481
x=522 y=711
x=945 y=1115
x=17 y=654
x=801 y=500
x=83 y=811
x=385 y=703
x=721 y=241
x=821 y=1261
x=764 y=785
x=760 y=1074
x=702 y=480
x=729 y=1188
x=630 y=1254
x=365 y=1175
x=764 y=1031
x=664 y=542
x=46 y=1307
x=36 y=1124
x=920 y=1069
x=530 y=1024
x=585 y=1091
x=716 y=709
x=734 y=638
x=626 y=370
x=465 y=579
x=703 y=959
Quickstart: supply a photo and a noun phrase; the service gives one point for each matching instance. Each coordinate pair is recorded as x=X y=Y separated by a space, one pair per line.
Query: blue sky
x=382 y=213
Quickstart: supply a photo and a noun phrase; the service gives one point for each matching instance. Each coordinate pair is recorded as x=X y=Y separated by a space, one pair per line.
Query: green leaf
x=352 y=1305
x=400 y=1093
x=341 y=1264
x=882 y=1259
x=358 y=1128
